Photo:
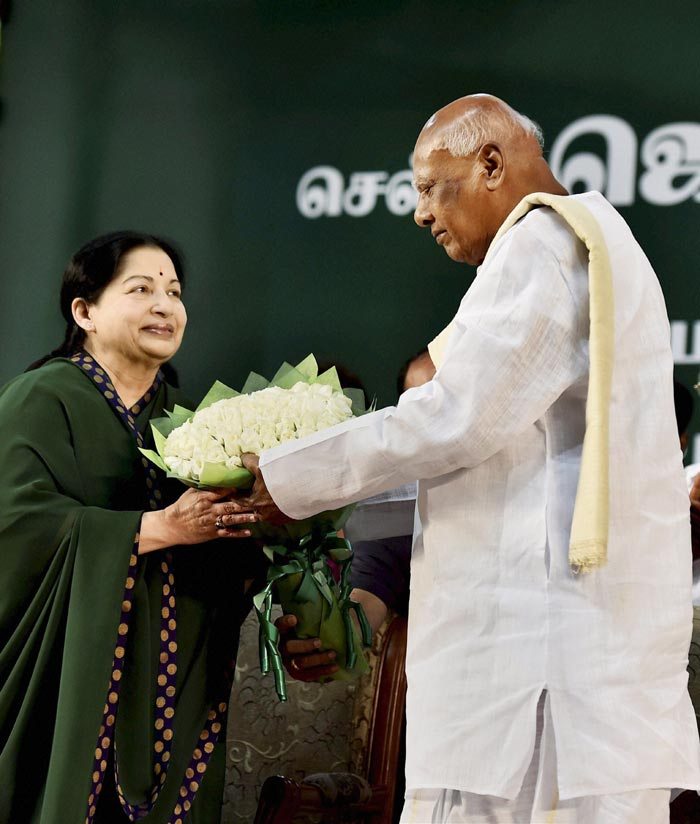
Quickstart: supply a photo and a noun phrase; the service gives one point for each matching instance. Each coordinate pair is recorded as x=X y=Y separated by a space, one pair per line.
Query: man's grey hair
x=468 y=133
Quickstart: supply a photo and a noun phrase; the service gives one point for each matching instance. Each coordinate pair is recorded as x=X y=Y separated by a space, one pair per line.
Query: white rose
x=252 y=423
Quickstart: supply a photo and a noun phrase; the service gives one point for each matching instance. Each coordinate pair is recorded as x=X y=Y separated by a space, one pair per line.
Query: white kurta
x=496 y=615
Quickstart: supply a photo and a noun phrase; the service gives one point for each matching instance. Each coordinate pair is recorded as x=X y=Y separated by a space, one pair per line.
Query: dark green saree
x=72 y=493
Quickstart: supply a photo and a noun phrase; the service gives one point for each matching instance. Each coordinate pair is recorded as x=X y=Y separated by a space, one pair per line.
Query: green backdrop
x=204 y=120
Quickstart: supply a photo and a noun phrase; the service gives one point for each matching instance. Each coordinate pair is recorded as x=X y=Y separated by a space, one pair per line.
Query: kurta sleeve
x=519 y=340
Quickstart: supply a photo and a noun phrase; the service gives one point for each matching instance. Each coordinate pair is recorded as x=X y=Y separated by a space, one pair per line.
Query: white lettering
x=401 y=197
x=694 y=456
x=364 y=188
x=320 y=192
x=685 y=351
x=614 y=175
x=671 y=156
x=669 y=174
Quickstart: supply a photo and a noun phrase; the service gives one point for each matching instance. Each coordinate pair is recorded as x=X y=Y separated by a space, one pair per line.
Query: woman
x=114 y=626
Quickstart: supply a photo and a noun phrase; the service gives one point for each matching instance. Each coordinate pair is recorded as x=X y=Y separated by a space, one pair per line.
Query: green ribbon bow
x=303 y=580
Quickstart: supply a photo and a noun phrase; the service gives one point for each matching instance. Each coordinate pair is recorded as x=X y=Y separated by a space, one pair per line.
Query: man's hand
x=695 y=493
x=375 y=609
x=304 y=660
x=259 y=498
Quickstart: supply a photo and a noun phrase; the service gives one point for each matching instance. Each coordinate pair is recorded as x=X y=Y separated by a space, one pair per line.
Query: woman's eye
x=175 y=293
x=139 y=290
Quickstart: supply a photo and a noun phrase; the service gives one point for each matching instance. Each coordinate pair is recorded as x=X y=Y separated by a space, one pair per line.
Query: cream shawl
x=589 y=530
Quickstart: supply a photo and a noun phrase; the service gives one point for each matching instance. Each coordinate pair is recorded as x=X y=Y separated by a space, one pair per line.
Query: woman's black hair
x=91 y=269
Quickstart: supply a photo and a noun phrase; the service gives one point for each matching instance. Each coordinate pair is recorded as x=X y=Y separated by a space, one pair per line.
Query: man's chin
x=457 y=254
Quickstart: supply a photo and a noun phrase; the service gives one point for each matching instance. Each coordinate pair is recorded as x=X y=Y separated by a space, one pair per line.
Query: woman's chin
x=160 y=350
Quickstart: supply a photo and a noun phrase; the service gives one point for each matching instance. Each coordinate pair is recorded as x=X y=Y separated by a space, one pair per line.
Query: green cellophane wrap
x=300 y=575
x=302 y=578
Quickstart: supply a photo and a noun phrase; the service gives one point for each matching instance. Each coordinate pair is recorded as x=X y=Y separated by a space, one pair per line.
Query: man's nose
x=422 y=216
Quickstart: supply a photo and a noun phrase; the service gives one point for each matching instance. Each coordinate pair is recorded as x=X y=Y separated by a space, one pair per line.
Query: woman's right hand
x=195 y=518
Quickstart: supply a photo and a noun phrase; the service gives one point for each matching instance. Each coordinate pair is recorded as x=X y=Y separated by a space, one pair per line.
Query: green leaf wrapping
x=159 y=441
x=155 y=458
x=254 y=383
x=218 y=392
x=330 y=378
x=316 y=618
x=357 y=397
x=179 y=415
x=298 y=551
x=303 y=581
x=288 y=376
x=162 y=426
x=289 y=533
x=218 y=475
x=309 y=368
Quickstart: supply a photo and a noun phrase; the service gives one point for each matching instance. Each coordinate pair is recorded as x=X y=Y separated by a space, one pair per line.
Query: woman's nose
x=162 y=305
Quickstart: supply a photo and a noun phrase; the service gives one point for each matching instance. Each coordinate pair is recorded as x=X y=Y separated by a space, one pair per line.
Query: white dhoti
x=496 y=613
x=538 y=801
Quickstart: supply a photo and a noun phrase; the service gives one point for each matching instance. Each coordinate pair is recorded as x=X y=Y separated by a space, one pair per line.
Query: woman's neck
x=131 y=379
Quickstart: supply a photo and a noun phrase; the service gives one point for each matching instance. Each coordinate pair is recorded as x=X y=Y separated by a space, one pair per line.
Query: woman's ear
x=81 y=314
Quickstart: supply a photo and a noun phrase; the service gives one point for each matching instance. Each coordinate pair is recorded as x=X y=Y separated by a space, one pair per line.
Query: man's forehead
x=422 y=175
x=430 y=142
x=427 y=159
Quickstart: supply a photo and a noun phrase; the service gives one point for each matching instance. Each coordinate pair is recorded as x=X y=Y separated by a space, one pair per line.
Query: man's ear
x=492 y=162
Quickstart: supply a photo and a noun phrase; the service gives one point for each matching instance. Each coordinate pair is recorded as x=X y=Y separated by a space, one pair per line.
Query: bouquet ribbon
x=306 y=566
x=299 y=551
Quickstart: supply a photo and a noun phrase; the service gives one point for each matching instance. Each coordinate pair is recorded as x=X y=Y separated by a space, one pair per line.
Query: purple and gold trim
x=165 y=705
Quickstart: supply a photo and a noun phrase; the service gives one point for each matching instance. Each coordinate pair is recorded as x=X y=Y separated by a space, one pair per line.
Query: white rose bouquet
x=203 y=448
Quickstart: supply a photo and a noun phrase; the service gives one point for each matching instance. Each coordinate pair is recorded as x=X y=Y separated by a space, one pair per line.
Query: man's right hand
x=304 y=659
x=259 y=498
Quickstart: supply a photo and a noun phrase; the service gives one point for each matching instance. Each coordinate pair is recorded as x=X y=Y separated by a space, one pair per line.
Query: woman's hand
x=195 y=517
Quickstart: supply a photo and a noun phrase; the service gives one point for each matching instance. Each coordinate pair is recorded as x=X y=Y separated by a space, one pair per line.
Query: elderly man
x=545 y=684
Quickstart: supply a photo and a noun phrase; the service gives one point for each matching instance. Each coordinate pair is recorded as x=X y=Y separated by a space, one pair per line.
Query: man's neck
x=541 y=179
